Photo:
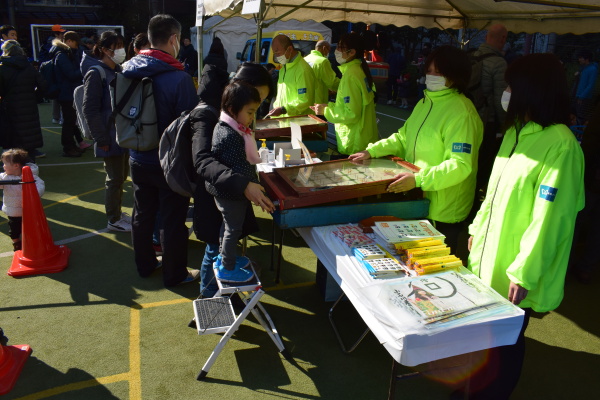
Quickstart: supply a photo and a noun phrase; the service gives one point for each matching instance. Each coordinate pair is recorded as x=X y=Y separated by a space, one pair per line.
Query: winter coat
x=228 y=148
x=296 y=88
x=174 y=91
x=590 y=144
x=326 y=79
x=12 y=199
x=189 y=58
x=524 y=229
x=66 y=65
x=442 y=136
x=492 y=84
x=207 y=217
x=353 y=112
x=19 y=81
x=97 y=106
x=587 y=81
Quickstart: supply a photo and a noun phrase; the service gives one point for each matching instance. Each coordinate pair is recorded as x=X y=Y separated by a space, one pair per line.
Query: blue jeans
x=208 y=283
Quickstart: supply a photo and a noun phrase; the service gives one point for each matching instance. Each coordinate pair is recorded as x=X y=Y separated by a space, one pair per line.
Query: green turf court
x=98 y=331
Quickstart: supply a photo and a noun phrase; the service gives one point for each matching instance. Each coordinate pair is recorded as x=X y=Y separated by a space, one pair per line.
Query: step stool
x=216 y=315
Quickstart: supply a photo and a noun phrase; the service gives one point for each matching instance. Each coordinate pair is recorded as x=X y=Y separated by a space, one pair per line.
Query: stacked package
x=424 y=256
x=377 y=261
x=352 y=235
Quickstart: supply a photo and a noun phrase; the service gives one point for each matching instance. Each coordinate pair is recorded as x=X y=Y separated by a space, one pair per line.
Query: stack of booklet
x=377 y=261
x=440 y=300
x=392 y=232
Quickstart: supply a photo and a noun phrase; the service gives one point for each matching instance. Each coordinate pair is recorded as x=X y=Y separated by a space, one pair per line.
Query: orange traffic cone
x=39 y=255
x=12 y=360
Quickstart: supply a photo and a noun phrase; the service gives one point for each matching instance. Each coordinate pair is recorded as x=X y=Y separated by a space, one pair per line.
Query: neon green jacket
x=442 y=136
x=524 y=229
x=296 y=88
x=326 y=79
x=353 y=112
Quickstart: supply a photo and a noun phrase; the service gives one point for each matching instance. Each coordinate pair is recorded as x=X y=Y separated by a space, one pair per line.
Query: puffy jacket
x=325 y=78
x=587 y=81
x=296 y=88
x=442 y=136
x=174 y=91
x=353 y=112
x=97 y=106
x=66 y=65
x=12 y=200
x=19 y=81
x=492 y=83
x=524 y=229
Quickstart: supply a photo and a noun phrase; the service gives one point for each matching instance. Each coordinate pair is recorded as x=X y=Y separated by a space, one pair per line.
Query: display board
x=277 y=127
x=304 y=186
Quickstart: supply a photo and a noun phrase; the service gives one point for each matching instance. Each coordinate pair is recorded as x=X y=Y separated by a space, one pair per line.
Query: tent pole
x=287 y=13
x=200 y=46
x=259 y=21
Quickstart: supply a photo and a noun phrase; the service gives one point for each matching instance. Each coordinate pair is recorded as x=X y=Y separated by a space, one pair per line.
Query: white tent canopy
x=543 y=16
x=235 y=31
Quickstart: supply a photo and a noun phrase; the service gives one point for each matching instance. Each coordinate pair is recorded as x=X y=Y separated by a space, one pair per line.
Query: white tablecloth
x=408 y=348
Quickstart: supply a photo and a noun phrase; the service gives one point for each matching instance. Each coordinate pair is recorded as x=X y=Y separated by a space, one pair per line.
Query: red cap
x=57 y=28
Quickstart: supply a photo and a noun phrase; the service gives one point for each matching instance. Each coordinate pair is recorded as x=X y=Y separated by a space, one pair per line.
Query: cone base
x=55 y=264
x=12 y=362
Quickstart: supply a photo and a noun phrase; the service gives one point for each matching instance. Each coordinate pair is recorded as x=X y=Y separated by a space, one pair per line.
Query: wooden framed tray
x=278 y=127
x=316 y=184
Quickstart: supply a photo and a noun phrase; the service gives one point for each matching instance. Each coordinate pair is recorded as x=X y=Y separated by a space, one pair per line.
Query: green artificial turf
x=99 y=331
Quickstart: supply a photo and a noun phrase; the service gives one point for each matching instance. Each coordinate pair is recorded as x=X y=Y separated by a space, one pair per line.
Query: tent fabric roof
x=543 y=16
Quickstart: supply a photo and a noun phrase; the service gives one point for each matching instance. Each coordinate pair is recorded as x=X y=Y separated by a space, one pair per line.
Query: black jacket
x=207 y=218
x=66 y=65
x=19 y=81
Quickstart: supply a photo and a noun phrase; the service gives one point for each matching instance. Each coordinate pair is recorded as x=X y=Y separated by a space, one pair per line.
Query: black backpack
x=48 y=71
x=474 y=91
x=175 y=153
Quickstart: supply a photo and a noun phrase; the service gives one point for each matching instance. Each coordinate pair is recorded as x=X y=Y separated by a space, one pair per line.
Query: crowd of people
x=533 y=179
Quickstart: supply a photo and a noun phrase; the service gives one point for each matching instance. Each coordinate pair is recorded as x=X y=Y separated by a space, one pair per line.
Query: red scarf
x=163 y=56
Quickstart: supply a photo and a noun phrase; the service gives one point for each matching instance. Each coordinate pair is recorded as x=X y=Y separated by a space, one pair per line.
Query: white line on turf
x=76 y=163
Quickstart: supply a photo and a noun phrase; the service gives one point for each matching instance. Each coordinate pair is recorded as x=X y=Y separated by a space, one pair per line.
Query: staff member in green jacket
x=521 y=236
x=353 y=112
x=442 y=137
x=296 y=83
x=326 y=79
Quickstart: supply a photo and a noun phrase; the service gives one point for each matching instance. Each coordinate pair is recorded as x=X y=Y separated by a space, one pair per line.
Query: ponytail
x=355 y=42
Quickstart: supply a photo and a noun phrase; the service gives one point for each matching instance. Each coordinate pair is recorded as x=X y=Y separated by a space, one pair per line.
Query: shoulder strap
x=100 y=71
x=128 y=93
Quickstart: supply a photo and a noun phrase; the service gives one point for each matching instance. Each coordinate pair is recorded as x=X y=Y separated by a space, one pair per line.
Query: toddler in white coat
x=12 y=201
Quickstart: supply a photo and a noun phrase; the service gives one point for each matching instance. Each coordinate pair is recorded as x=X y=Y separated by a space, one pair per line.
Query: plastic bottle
x=263 y=152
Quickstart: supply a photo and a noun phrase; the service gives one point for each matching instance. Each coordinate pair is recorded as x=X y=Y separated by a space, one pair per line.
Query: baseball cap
x=57 y=28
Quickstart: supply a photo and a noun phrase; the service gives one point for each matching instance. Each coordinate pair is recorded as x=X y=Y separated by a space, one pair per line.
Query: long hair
x=453 y=64
x=108 y=40
x=353 y=41
x=539 y=91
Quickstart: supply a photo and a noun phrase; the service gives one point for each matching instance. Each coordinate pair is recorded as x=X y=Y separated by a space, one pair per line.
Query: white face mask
x=338 y=57
x=504 y=100
x=118 y=56
x=282 y=59
x=435 y=83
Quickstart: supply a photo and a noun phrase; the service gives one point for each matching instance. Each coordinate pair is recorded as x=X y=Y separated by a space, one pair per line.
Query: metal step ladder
x=216 y=315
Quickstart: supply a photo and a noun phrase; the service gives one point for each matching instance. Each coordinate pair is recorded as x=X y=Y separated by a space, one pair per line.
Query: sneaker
x=38 y=154
x=71 y=153
x=389 y=102
x=56 y=121
x=157 y=249
x=193 y=274
x=240 y=262
x=119 y=226
x=84 y=145
x=126 y=217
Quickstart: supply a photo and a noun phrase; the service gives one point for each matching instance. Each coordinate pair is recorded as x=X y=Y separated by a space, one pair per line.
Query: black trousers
x=497 y=379
x=70 y=135
x=152 y=195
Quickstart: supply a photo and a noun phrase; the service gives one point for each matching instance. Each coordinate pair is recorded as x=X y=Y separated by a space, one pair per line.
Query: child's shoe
x=17 y=245
x=238 y=274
